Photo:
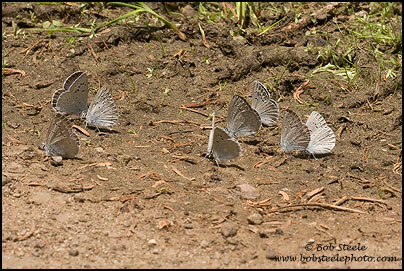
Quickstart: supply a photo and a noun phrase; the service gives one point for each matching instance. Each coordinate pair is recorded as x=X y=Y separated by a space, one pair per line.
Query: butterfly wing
x=211 y=135
x=102 y=111
x=322 y=138
x=224 y=147
x=267 y=108
x=242 y=120
x=60 y=139
x=72 y=99
x=295 y=136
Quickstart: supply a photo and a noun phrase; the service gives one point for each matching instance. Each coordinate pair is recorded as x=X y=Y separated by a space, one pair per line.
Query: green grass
x=378 y=32
x=138 y=8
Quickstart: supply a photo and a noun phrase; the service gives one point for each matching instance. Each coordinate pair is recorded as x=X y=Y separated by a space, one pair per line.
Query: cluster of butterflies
x=72 y=99
x=314 y=137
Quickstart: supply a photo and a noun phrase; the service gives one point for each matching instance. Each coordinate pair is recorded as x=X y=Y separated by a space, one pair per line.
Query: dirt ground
x=145 y=196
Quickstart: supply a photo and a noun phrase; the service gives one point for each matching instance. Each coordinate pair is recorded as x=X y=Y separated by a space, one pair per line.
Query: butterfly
x=222 y=146
x=314 y=137
x=72 y=98
x=322 y=138
x=267 y=108
x=242 y=120
x=295 y=135
x=102 y=112
x=60 y=139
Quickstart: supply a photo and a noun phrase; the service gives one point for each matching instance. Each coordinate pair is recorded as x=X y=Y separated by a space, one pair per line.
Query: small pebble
x=229 y=229
x=204 y=243
x=188 y=226
x=73 y=252
x=56 y=160
x=270 y=255
x=152 y=242
x=255 y=219
x=35 y=253
x=246 y=191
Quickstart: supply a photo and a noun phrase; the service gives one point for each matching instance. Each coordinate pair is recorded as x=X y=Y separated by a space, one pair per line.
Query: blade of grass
x=272 y=25
x=141 y=6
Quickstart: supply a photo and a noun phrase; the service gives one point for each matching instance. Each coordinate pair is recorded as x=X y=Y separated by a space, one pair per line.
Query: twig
x=32 y=46
x=316 y=204
x=299 y=91
x=92 y=51
x=71 y=190
x=341 y=200
x=204 y=41
x=102 y=164
x=182 y=175
x=15 y=140
x=82 y=130
x=179 y=122
x=369 y=199
x=340 y=129
x=28 y=235
x=7 y=71
x=195 y=111
x=314 y=192
x=259 y=203
x=222 y=202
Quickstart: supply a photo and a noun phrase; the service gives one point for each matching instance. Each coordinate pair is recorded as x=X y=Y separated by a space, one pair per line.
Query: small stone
x=229 y=229
x=152 y=242
x=270 y=255
x=246 y=191
x=204 y=244
x=155 y=251
x=255 y=219
x=56 y=160
x=188 y=11
x=35 y=253
x=73 y=252
x=5 y=180
x=188 y=226
x=39 y=244
x=99 y=149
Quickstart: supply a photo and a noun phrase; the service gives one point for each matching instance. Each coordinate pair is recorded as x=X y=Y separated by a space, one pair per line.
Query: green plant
x=150 y=73
x=143 y=7
x=139 y=7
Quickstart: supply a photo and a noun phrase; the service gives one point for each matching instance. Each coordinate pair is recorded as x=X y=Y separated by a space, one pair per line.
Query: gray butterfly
x=221 y=145
x=266 y=107
x=60 y=139
x=102 y=112
x=295 y=135
x=242 y=120
x=72 y=98
x=322 y=138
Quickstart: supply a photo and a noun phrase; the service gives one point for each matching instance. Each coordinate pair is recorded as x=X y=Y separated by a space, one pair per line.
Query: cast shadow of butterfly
x=103 y=130
x=251 y=142
x=307 y=155
x=231 y=166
